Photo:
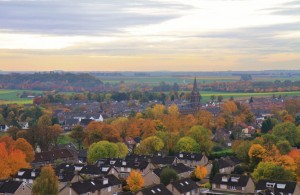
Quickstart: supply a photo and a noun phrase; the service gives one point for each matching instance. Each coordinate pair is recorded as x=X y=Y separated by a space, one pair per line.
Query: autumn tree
x=200 y=172
x=135 y=181
x=11 y=160
x=187 y=144
x=205 y=119
x=26 y=148
x=102 y=149
x=241 y=149
x=150 y=145
x=122 y=150
x=289 y=131
x=203 y=137
x=295 y=154
x=12 y=131
x=284 y=146
x=168 y=175
x=77 y=134
x=269 y=170
x=46 y=182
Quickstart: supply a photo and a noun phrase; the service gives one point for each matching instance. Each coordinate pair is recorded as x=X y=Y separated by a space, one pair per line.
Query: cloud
x=87 y=17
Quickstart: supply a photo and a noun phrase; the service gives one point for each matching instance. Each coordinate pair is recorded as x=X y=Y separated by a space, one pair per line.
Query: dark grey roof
x=232 y=180
x=185 y=185
x=71 y=122
x=279 y=186
x=157 y=159
x=159 y=189
x=189 y=156
x=179 y=168
x=95 y=170
x=117 y=162
x=27 y=173
x=95 y=184
x=9 y=186
x=85 y=122
x=53 y=155
x=66 y=176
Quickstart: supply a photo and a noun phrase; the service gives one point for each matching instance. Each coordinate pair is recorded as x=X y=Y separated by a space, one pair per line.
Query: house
x=100 y=185
x=96 y=171
x=124 y=166
x=69 y=124
x=24 y=125
x=50 y=157
x=227 y=164
x=226 y=183
x=268 y=187
x=191 y=159
x=14 y=188
x=82 y=155
x=183 y=186
x=27 y=175
x=247 y=132
x=157 y=160
x=3 y=127
x=158 y=189
x=153 y=177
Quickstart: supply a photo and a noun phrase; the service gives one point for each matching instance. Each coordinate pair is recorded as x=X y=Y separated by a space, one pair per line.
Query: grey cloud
x=73 y=17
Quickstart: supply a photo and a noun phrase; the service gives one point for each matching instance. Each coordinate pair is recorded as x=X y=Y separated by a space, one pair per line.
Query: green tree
x=102 y=149
x=268 y=124
x=122 y=150
x=284 y=146
x=150 y=145
x=289 y=131
x=214 y=170
x=187 y=144
x=46 y=182
x=269 y=170
x=168 y=175
x=203 y=137
x=77 y=134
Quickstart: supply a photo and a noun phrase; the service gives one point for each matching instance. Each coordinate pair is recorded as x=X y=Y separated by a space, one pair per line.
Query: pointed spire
x=195 y=88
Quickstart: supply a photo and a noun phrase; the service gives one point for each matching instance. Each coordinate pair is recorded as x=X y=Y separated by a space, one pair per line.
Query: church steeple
x=195 y=88
x=195 y=96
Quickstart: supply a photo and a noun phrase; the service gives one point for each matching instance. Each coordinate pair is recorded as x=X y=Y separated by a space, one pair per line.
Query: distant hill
x=51 y=81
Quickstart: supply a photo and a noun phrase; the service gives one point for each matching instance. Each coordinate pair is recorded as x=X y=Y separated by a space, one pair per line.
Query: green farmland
x=13 y=97
x=206 y=95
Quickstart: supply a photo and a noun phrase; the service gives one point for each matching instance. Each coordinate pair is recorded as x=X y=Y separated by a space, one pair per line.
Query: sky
x=149 y=35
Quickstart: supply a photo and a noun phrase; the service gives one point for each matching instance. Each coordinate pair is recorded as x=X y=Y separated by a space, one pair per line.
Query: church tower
x=195 y=95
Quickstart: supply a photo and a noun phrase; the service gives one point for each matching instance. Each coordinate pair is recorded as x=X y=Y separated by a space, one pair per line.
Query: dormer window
x=281 y=186
x=112 y=162
x=235 y=179
x=20 y=173
x=270 y=185
x=124 y=163
x=180 y=155
x=224 y=179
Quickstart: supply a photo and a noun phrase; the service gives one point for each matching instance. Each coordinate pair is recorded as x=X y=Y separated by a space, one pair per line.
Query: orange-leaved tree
x=135 y=181
x=11 y=160
x=200 y=172
x=26 y=148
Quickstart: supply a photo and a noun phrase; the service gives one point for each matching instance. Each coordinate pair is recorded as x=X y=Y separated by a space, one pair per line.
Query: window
x=222 y=186
x=109 y=189
x=232 y=187
x=122 y=169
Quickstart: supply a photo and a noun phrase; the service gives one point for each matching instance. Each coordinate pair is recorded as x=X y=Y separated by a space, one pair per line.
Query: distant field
x=154 y=80
x=206 y=95
x=13 y=97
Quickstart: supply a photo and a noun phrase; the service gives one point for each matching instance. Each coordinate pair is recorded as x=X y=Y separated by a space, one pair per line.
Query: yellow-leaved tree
x=135 y=181
x=200 y=172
